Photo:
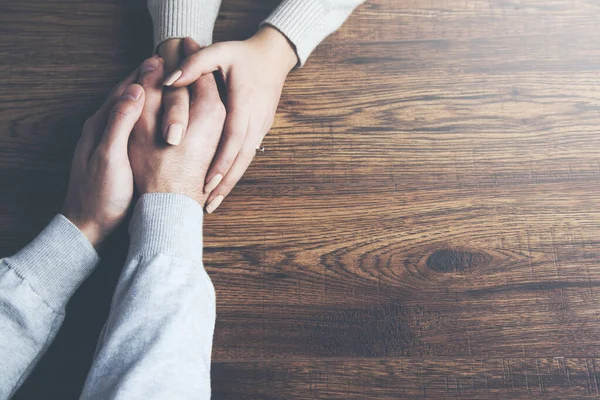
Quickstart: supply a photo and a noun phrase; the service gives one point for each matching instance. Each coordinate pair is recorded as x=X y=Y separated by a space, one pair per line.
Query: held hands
x=107 y=161
x=161 y=168
x=254 y=71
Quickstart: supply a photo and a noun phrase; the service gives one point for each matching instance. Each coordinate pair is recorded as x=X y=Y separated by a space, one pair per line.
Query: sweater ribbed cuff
x=166 y=223
x=56 y=262
x=303 y=22
x=184 y=18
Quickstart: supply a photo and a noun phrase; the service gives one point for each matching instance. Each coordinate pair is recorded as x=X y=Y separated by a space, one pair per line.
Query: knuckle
x=145 y=80
x=122 y=110
x=119 y=113
x=248 y=155
x=175 y=93
x=149 y=70
x=206 y=82
x=236 y=135
x=177 y=109
x=213 y=109
x=224 y=164
x=149 y=62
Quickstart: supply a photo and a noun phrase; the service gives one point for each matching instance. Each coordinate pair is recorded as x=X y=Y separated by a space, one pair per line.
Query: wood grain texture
x=423 y=224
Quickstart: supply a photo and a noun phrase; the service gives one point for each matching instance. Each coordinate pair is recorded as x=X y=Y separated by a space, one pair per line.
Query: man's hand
x=161 y=168
x=254 y=71
x=101 y=182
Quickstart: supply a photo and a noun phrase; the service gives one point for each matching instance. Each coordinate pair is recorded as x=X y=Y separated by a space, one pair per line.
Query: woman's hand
x=254 y=71
x=101 y=182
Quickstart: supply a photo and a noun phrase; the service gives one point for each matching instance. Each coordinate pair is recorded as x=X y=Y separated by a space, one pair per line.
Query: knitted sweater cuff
x=184 y=18
x=166 y=223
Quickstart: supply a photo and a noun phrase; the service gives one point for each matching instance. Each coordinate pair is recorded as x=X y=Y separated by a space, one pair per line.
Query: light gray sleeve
x=184 y=18
x=35 y=285
x=157 y=341
x=306 y=23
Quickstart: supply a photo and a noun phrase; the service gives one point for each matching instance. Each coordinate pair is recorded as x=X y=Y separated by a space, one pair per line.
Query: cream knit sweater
x=304 y=22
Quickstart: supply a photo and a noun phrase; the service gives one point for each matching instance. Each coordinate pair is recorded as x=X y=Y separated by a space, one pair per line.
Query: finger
x=122 y=119
x=87 y=142
x=200 y=63
x=151 y=76
x=204 y=91
x=95 y=125
x=171 y=50
x=177 y=110
x=207 y=116
x=232 y=140
x=190 y=46
x=239 y=167
x=102 y=114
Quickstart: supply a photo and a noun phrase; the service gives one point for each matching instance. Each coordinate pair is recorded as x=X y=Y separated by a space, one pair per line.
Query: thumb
x=123 y=116
x=201 y=62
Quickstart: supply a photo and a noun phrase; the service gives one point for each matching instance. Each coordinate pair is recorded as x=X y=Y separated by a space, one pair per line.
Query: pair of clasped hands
x=167 y=131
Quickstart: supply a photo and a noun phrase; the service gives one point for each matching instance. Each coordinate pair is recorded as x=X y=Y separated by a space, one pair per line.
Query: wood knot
x=448 y=260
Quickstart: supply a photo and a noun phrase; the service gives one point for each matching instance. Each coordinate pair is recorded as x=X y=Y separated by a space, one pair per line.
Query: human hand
x=176 y=101
x=254 y=71
x=161 y=168
x=101 y=181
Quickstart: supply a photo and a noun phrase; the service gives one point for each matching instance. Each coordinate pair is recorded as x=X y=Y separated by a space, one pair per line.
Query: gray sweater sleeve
x=304 y=22
x=157 y=341
x=35 y=285
x=184 y=18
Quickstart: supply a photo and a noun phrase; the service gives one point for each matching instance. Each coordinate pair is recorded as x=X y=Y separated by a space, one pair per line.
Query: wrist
x=277 y=48
x=185 y=190
x=90 y=230
x=93 y=234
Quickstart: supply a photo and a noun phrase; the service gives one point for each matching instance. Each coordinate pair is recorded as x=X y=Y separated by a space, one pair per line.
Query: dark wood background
x=424 y=223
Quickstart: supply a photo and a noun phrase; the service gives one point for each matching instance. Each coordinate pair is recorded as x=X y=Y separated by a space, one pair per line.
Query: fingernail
x=174 y=134
x=149 y=65
x=133 y=92
x=216 y=202
x=213 y=183
x=172 y=78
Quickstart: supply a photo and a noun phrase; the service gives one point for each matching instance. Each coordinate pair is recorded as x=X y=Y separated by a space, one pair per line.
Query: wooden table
x=424 y=222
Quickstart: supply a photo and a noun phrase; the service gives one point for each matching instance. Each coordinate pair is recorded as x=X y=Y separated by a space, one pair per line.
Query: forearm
x=158 y=338
x=306 y=23
x=184 y=18
x=35 y=285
